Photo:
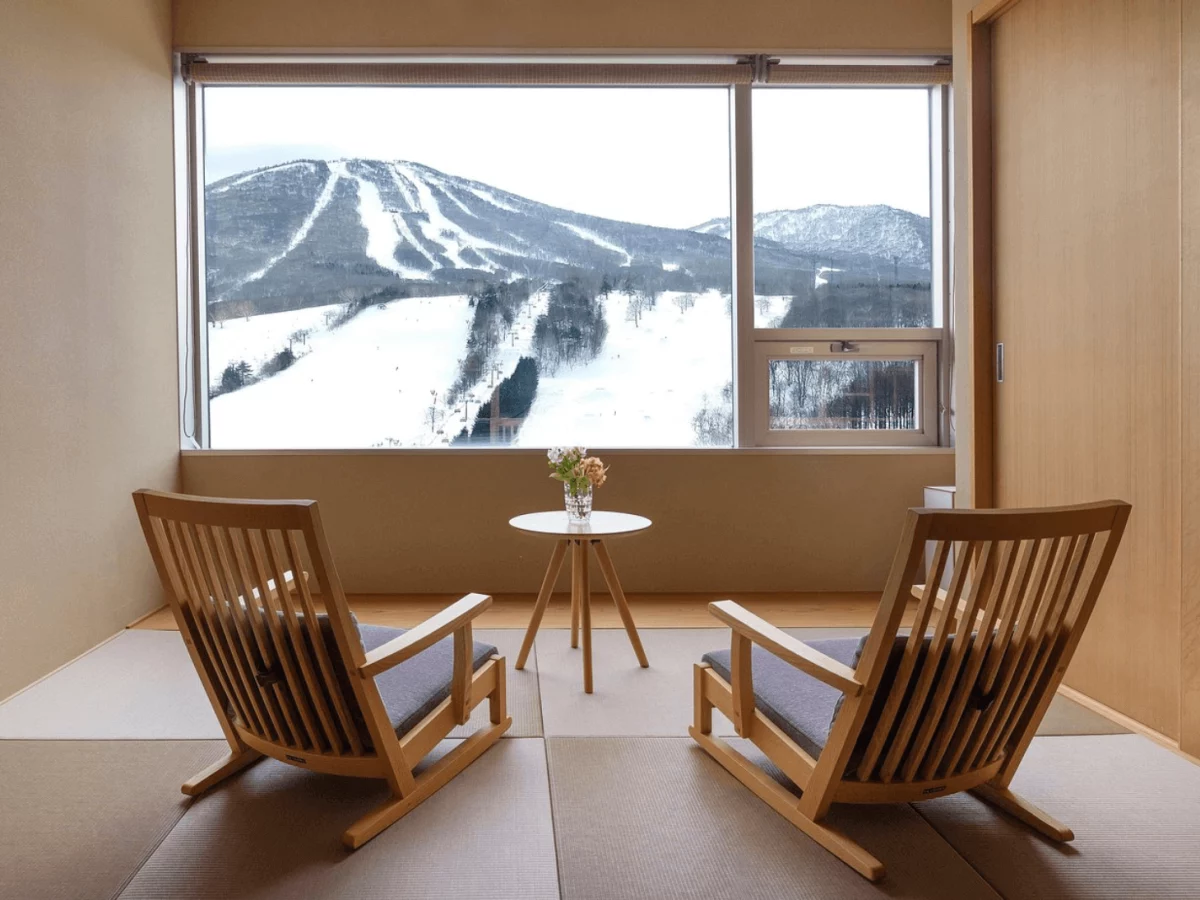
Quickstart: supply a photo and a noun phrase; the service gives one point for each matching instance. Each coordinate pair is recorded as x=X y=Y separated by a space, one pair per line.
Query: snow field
x=382 y=379
x=259 y=338
x=370 y=380
x=648 y=382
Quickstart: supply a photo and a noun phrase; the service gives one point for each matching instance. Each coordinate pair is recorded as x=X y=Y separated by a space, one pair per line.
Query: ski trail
x=301 y=233
x=598 y=241
x=444 y=231
x=405 y=187
x=384 y=230
x=488 y=197
x=447 y=190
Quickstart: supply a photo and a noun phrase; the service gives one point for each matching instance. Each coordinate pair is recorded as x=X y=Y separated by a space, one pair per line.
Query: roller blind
x=519 y=73
x=898 y=76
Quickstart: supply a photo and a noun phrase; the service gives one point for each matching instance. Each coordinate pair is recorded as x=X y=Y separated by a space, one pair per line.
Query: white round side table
x=602 y=524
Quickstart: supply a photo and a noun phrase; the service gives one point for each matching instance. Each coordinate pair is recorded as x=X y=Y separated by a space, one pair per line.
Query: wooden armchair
x=315 y=689
x=949 y=706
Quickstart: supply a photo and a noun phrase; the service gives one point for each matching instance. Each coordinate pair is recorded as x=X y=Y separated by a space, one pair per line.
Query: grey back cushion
x=410 y=690
x=805 y=708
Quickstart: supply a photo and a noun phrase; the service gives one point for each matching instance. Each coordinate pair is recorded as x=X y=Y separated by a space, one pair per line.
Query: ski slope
x=381 y=380
x=361 y=385
x=648 y=382
x=258 y=338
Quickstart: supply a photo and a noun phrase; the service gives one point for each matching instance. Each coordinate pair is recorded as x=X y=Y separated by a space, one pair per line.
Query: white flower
x=556 y=454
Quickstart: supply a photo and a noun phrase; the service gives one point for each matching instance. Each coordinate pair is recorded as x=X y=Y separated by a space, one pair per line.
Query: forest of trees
x=513 y=400
x=572 y=330
x=850 y=394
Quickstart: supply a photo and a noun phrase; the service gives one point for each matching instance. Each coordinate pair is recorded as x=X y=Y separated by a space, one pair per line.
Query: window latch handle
x=843 y=347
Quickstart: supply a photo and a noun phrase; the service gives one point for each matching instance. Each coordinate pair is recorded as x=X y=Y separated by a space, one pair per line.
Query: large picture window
x=488 y=266
x=445 y=267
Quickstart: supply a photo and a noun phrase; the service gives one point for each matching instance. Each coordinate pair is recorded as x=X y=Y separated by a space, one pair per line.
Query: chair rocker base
x=1024 y=811
x=232 y=763
x=427 y=784
x=786 y=804
x=488 y=684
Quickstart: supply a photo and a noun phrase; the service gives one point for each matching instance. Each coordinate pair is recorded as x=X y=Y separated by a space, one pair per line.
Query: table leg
x=539 y=608
x=618 y=595
x=575 y=545
x=585 y=605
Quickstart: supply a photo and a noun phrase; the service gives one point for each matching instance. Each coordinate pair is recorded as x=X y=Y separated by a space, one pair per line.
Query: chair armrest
x=808 y=659
x=428 y=633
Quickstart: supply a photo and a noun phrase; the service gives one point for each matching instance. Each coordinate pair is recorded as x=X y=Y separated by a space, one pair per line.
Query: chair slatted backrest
x=242 y=578
x=970 y=682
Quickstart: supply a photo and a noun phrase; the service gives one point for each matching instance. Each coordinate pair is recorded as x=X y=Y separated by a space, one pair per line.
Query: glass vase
x=579 y=506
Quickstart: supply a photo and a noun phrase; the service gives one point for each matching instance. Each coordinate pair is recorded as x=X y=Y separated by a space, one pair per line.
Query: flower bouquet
x=581 y=475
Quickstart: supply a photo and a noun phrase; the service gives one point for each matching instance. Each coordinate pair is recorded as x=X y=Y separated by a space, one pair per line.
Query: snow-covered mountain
x=309 y=231
x=843 y=233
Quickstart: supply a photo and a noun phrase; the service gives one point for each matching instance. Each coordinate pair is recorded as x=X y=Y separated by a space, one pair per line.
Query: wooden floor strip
x=794 y=610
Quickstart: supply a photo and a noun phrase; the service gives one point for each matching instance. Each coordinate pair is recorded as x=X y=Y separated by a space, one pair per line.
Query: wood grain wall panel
x=1189 y=728
x=1087 y=303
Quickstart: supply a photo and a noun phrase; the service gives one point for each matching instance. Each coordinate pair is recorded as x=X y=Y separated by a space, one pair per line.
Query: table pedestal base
x=581 y=601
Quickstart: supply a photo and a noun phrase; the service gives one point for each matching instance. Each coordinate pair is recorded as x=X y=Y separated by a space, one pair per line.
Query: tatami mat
x=524 y=704
x=629 y=701
x=1134 y=807
x=656 y=817
x=273 y=833
x=1066 y=717
x=142 y=686
x=77 y=818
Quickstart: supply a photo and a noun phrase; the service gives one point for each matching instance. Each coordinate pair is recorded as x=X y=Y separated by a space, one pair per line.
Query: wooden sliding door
x=1085 y=197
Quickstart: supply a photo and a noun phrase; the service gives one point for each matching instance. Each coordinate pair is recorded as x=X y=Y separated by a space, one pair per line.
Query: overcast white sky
x=659 y=156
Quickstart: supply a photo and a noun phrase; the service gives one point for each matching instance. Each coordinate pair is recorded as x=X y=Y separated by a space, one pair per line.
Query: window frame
x=923 y=353
x=747 y=340
x=750 y=385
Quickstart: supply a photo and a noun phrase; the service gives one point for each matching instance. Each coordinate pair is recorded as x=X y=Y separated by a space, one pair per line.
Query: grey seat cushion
x=411 y=690
x=805 y=708
x=802 y=706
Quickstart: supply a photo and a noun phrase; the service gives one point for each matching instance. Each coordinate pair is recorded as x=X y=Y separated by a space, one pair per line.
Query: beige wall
x=87 y=339
x=715 y=25
x=724 y=521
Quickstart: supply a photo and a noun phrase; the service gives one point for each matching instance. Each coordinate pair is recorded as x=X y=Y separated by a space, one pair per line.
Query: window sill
x=628 y=451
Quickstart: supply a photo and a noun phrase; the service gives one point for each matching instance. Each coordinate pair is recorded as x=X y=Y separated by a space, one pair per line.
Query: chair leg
x=498 y=698
x=1024 y=811
x=784 y=802
x=701 y=706
x=430 y=781
x=231 y=764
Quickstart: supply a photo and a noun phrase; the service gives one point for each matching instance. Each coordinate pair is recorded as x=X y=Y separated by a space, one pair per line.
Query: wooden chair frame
x=962 y=708
x=220 y=562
